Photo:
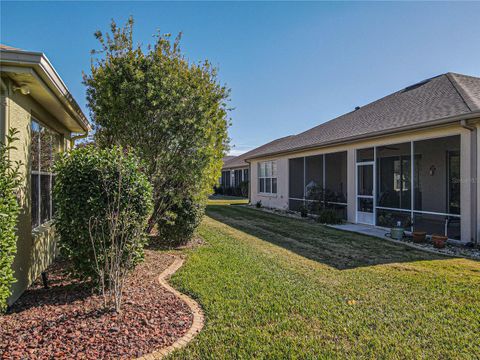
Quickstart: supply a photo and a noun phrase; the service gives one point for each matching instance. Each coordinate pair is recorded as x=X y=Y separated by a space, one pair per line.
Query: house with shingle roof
x=236 y=170
x=409 y=158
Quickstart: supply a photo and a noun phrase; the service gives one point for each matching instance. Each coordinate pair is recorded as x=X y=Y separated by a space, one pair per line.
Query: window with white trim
x=267 y=177
x=44 y=146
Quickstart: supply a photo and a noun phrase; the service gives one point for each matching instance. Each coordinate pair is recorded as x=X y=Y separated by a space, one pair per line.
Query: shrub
x=244 y=189
x=303 y=211
x=180 y=227
x=9 y=210
x=97 y=193
x=328 y=216
x=258 y=205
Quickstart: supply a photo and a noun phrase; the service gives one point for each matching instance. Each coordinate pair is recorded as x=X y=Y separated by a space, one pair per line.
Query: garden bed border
x=198 y=316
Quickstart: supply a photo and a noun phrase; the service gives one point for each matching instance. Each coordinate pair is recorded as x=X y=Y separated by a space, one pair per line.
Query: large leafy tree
x=173 y=112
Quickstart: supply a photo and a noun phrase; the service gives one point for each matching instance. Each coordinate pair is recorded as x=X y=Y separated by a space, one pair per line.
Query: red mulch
x=67 y=320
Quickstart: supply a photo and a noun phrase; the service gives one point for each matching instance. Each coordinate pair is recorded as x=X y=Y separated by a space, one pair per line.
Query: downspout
x=474 y=172
x=78 y=137
x=4 y=120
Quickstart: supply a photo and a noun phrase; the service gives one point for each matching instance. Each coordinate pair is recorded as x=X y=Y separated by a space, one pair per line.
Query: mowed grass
x=226 y=200
x=275 y=287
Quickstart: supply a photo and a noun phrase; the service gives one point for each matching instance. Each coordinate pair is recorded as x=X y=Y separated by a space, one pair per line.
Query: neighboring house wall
x=468 y=176
x=233 y=177
x=477 y=181
x=278 y=200
x=35 y=249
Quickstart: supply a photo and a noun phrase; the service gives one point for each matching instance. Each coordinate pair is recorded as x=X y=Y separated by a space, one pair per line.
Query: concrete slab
x=363 y=229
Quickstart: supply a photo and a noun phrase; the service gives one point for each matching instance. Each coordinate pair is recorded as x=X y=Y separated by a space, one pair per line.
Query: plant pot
x=397 y=233
x=419 y=236
x=439 y=241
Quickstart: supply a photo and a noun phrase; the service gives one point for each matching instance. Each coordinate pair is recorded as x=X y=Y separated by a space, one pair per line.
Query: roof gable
x=468 y=88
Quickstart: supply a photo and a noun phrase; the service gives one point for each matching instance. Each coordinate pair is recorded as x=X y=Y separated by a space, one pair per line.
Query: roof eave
x=236 y=166
x=437 y=122
x=44 y=69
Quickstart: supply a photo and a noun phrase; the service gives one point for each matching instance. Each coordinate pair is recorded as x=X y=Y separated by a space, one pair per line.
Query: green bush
x=9 y=210
x=100 y=191
x=303 y=211
x=244 y=189
x=180 y=227
x=328 y=216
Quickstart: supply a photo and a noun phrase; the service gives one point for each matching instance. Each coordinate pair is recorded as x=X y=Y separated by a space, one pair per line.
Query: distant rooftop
x=239 y=161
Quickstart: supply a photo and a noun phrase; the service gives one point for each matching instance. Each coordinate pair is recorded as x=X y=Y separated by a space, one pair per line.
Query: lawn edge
x=198 y=315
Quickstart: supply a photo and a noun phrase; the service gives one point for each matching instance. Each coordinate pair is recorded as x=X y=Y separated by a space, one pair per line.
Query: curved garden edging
x=198 y=317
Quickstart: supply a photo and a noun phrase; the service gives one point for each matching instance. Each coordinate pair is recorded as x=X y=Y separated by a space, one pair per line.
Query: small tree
x=103 y=203
x=114 y=237
x=9 y=209
x=171 y=111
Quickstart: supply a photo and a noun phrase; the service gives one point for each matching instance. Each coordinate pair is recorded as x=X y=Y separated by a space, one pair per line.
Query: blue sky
x=290 y=66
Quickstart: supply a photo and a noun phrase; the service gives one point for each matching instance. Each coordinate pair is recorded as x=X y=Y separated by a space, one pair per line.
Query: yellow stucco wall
x=35 y=249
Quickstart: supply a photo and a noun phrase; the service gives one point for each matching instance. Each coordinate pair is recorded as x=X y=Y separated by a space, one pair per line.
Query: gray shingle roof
x=227 y=158
x=440 y=97
x=239 y=161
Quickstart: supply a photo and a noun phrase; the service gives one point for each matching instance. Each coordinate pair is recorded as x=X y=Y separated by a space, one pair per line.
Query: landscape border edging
x=198 y=316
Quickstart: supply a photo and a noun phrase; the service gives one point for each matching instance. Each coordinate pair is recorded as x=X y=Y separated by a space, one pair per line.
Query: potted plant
x=397 y=232
x=419 y=236
x=439 y=241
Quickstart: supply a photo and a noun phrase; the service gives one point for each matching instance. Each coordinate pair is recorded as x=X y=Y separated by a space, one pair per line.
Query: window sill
x=270 y=195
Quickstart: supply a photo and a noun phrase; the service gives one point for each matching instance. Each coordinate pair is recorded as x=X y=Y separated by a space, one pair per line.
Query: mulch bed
x=67 y=320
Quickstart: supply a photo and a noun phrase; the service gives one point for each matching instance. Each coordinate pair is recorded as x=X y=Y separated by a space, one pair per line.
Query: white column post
x=476 y=180
x=466 y=185
x=351 y=200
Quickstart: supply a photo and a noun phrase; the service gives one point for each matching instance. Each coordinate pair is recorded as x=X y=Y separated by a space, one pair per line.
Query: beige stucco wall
x=476 y=180
x=280 y=200
x=35 y=250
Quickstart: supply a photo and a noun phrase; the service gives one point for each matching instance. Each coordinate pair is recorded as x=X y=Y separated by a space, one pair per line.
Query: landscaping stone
x=67 y=321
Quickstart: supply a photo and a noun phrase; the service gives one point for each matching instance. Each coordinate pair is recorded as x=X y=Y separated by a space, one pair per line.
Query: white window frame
x=39 y=173
x=268 y=177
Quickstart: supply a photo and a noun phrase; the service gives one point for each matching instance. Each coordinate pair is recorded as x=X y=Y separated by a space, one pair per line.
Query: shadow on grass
x=338 y=249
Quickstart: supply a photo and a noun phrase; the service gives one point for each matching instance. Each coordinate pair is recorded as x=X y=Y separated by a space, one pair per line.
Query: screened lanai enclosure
x=427 y=201
x=319 y=182
x=415 y=183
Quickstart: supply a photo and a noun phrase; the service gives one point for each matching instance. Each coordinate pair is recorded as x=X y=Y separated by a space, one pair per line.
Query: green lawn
x=226 y=200
x=275 y=287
